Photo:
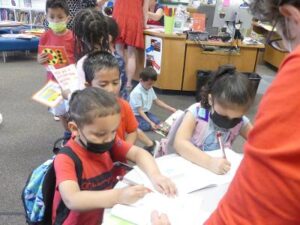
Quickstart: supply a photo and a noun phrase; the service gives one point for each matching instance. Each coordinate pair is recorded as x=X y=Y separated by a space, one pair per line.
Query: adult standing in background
x=266 y=187
x=131 y=17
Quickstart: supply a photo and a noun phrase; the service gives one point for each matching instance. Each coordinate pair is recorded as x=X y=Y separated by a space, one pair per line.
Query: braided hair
x=228 y=87
x=91 y=32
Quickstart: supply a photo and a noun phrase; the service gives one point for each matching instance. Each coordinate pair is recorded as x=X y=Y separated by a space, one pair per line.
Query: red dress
x=129 y=16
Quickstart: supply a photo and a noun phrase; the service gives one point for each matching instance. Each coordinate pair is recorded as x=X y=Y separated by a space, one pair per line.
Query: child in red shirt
x=58 y=36
x=95 y=118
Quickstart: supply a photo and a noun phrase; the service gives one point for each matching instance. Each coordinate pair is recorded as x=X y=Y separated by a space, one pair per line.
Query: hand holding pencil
x=132 y=193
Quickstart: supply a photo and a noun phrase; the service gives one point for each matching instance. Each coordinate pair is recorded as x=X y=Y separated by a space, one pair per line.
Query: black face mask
x=224 y=121
x=97 y=148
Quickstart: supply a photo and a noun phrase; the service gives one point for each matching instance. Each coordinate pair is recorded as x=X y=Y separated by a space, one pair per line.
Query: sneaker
x=1 y=118
x=153 y=149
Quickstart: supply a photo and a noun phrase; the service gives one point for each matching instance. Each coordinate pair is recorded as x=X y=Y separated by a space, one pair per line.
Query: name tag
x=203 y=113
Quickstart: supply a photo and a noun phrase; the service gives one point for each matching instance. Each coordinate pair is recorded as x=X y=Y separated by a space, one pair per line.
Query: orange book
x=198 y=22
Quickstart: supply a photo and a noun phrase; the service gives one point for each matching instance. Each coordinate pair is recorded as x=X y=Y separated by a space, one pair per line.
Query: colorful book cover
x=50 y=95
x=199 y=20
x=57 y=55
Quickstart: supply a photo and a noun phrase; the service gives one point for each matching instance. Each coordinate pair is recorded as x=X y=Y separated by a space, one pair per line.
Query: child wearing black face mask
x=224 y=100
x=94 y=119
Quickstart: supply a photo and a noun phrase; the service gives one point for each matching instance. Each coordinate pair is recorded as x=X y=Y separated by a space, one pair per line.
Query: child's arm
x=245 y=130
x=146 y=162
x=162 y=104
x=131 y=137
x=145 y=11
x=142 y=114
x=78 y=200
x=187 y=150
x=156 y=16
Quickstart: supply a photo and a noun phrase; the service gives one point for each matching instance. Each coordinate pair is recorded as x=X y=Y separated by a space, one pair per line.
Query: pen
x=219 y=137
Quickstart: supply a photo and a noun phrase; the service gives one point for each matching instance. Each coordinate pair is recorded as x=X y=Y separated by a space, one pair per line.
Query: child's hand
x=42 y=58
x=161 y=219
x=219 y=165
x=154 y=126
x=173 y=109
x=131 y=194
x=164 y=185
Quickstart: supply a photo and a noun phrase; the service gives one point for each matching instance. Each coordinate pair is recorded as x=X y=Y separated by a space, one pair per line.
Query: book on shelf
x=164 y=127
x=27 y=3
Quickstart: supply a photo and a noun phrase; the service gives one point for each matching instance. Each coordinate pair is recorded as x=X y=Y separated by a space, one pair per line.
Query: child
x=155 y=14
x=142 y=97
x=224 y=101
x=131 y=16
x=58 y=35
x=113 y=31
x=102 y=70
x=91 y=34
x=94 y=119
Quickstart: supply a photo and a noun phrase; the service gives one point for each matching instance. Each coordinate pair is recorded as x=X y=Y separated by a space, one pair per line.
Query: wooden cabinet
x=182 y=58
x=198 y=59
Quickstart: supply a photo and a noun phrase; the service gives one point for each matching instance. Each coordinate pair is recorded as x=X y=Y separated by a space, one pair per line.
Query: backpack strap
x=62 y=211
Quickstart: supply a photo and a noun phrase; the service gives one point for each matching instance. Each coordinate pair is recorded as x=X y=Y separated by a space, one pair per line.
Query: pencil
x=219 y=137
x=130 y=182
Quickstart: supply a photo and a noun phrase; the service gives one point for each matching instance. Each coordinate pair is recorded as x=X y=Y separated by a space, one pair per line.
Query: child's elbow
x=71 y=203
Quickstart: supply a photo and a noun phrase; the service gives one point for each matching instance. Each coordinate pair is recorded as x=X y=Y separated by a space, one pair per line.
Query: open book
x=187 y=207
x=50 y=95
x=165 y=126
x=187 y=176
x=66 y=77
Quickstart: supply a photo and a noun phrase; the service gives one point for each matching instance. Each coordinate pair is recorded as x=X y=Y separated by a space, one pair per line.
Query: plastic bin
x=203 y=75
x=255 y=79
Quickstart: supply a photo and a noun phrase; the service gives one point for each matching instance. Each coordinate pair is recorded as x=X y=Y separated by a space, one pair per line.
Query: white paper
x=184 y=209
x=187 y=176
x=66 y=77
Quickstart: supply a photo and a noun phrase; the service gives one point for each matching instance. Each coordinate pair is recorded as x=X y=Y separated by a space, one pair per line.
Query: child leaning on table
x=224 y=101
x=142 y=98
x=94 y=120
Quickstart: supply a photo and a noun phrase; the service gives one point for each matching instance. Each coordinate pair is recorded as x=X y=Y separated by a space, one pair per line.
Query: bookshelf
x=29 y=12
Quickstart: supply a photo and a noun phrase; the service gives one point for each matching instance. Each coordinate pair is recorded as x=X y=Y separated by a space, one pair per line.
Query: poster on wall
x=153 y=52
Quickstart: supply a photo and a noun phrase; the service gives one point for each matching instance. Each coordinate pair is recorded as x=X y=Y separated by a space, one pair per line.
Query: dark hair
x=148 y=74
x=97 y=61
x=90 y=31
x=91 y=103
x=55 y=4
x=268 y=10
x=228 y=87
x=113 y=28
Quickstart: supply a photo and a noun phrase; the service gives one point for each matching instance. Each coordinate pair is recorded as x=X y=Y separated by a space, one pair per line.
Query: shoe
x=56 y=118
x=1 y=118
x=153 y=149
